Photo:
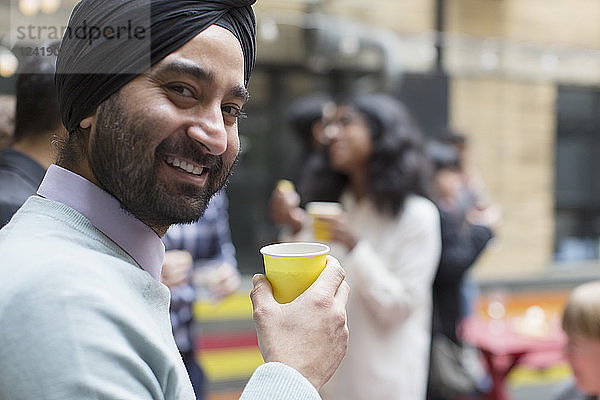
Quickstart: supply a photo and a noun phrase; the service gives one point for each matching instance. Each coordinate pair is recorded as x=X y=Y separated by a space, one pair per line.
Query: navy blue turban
x=108 y=43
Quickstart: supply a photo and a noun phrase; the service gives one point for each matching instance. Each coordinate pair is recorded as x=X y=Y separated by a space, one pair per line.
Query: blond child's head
x=581 y=323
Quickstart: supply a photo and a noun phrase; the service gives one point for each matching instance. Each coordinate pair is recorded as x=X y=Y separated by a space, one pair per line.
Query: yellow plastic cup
x=293 y=267
x=317 y=209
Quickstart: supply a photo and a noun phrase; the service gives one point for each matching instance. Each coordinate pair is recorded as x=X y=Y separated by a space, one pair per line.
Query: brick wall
x=508 y=111
x=510 y=126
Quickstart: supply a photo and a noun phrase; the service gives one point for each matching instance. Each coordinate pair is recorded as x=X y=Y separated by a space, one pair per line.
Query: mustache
x=189 y=150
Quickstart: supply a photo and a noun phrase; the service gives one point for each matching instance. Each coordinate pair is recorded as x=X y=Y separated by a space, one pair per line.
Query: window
x=577 y=174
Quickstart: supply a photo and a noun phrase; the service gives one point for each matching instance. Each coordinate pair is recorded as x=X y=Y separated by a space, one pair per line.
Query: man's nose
x=209 y=130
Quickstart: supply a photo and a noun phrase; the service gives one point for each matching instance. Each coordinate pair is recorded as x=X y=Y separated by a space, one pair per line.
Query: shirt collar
x=105 y=213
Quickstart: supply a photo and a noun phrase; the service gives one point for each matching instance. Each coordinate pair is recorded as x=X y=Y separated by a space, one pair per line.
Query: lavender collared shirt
x=106 y=214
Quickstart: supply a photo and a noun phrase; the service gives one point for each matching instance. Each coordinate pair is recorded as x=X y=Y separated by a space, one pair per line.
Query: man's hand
x=309 y=334
x=176 y=268
x=489 y=216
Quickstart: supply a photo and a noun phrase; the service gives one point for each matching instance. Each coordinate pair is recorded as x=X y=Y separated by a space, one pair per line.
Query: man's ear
x=86 y=122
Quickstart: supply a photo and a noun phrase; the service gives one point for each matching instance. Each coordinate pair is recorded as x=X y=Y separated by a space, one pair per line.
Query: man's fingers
x=331 y=277
x=262 y=293
x=342 y=294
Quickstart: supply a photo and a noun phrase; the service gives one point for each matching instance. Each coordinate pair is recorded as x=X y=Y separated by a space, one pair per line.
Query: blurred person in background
x=199 y=257
x=305 y=117
x=471 y=193
x=581 y=323
x=473 y=202
x=462 y=243
x=389 y=240
x=472 y=199
x=7 y=120
x=37 y=123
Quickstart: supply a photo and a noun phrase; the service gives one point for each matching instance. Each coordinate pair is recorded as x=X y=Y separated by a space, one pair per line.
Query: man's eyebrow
x=240 y=92
x=196 y=72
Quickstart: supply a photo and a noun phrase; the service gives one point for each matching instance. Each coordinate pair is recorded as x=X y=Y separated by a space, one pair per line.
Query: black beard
x=122 y=161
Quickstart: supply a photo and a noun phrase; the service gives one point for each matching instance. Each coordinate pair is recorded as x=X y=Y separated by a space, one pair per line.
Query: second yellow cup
x=293 y=267
x=318 y=209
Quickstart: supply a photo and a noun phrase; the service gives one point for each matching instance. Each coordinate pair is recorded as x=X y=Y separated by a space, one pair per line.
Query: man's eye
x=181 y=90
x=233 y=111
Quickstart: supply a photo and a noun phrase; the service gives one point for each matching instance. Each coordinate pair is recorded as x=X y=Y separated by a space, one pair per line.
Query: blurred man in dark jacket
x=37 y=121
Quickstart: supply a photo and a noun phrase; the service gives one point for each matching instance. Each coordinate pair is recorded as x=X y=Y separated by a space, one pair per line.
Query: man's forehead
x=214 y=45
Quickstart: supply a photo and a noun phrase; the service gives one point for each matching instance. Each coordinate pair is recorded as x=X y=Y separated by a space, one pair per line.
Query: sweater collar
x=106 y=214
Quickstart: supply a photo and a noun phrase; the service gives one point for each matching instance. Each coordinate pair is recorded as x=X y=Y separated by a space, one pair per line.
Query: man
x=462 y=244
x=146 y=149
x=37 y=122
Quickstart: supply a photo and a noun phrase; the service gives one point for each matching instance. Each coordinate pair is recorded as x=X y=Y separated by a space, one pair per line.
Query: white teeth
x=188 y=167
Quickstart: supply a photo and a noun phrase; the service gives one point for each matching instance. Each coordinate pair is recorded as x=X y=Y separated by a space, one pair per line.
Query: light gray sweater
x=79 y=319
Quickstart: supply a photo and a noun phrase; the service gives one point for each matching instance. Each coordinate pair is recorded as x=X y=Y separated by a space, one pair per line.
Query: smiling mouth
x=186 y=166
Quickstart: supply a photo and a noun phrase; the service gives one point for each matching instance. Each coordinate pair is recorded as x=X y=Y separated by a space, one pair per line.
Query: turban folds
x=108 y=43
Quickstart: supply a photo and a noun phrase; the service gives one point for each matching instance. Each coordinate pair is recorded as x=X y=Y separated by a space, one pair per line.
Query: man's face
x=166 y=142
x=447 y=182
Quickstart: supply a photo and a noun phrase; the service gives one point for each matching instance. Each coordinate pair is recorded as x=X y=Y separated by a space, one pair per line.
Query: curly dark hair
x=397 y=167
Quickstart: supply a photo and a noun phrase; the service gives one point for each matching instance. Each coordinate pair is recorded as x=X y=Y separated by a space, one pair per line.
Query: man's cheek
x=232 y=152
x=233 y=145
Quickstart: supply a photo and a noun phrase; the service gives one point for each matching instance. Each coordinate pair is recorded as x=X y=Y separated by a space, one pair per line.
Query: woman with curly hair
x=388 y=239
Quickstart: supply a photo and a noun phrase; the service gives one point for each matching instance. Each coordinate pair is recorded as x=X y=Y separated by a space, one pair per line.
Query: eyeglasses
x=342 y=121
